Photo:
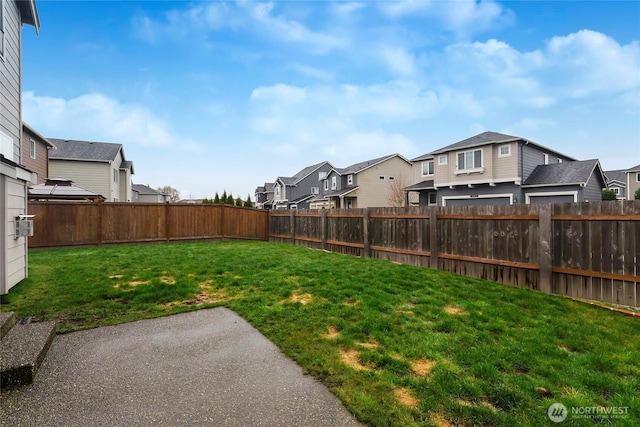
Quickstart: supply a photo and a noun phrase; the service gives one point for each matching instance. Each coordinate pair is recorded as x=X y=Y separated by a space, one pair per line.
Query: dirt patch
x=483 y=402
x=332 y=333
x=454 y=310
x=372 y=344
x=563 y=348
x=352 y=303
x=406 y=397
x=406 y=309
x=351 y=359
x=116 y=276
x=439 y=420
x=131 y=284
x=422 y=367
x=168 y=280
x=303 y=299
x=543 y=392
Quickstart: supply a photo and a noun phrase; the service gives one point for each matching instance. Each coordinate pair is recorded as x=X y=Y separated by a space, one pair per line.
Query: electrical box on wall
x=24 y=226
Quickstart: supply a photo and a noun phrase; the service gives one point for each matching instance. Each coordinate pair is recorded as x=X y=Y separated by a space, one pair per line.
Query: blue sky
x=213 y=96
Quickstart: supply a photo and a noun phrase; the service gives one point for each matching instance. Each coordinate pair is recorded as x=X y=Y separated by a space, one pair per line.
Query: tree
x=396 y=194
x=174 y=195
x=230 y=200
x=238 y=201
x=248 y=203
x=637 y=194
x=608 y=195
x=223 y=198
x=216 y=199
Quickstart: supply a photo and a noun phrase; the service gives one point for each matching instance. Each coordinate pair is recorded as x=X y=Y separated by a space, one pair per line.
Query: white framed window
x=321 y=175
x=428 y=167
x=638 y=177
x=115 y=175
x=442 y=159
x=470 y=160
x=545 y=157
x=334 y=182
x=326 y=184
x=615 y=190
x=350 y=179
x=504 y=150
x=32 y=149
x=277 y=190
x=315 y=190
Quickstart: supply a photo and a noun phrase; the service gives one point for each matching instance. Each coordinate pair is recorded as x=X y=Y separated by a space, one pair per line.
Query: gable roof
x=359 y=167
x=84 y=150
x=293 y=180
x=634 y=169
x=566 y=173
x=488 y=138
x=617 y=175
x=44 y=140
x=145 y=190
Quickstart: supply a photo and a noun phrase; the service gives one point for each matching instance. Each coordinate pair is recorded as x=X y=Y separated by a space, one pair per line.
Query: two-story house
x=264 y=196
x=616 y=182
x=632 y=181
x=14 y=176
x=493 y=168
x=145 y=194
x=35 y=153
x=371 y=183
x=100 y=167
x=296 y=191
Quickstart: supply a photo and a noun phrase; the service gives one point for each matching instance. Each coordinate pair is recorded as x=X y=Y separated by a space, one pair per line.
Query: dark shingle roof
x=424 y=185
x=480 y=139
x=84 y=150
x=617 y=175
x=633 y=169
x=565 y=173
x=293 y=180
x=145 y=189
x=358 y=167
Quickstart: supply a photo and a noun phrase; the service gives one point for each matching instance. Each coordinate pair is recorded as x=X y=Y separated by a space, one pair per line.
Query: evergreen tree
x=238 y=201
x=247 y=203
x=216 y=199
x=223 y=198
x=230 y=199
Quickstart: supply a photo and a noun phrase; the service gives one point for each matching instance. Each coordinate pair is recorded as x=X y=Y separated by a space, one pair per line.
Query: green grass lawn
x=400 y=345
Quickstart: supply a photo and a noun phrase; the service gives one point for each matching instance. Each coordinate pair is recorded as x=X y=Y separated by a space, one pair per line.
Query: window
x=504 y=150
x=32 y=149
x=321 y=176
x=326 y=184
x=391 y=178
x=615 y=190
x=546 y=158
x=427 y=168
x=349 y=179
x=315 y=190
x=433 y=199
x=278 y=191
x=115 y=175
x=381 y=177
x=559 y=160
x=442 y=159
x=334 y=182
x=469 y=160
x=638 y=177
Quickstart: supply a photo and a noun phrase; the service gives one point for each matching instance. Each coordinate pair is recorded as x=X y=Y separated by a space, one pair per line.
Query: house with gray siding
x=14 y=176
x=145 y=194
x=264 y=196
x=617 y=182
x=100 y=167
x=569 y=182
x=491 y=169
x=296 y=191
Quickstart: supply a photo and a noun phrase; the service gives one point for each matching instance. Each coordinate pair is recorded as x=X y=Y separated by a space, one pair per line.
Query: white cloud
x=97 y=117
x=398 y=60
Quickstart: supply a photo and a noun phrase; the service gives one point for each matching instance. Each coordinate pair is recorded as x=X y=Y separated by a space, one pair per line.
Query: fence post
x=292 y=226
x=546 y=247
x=323 y=228
x=365 y=234
x=100 y=215
x=433 y=237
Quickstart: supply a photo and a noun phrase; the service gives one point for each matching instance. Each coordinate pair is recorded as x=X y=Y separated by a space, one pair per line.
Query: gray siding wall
x=14 y=250
x=303 y=188
x=592 y=192
x=533 y=156
x=10 y=84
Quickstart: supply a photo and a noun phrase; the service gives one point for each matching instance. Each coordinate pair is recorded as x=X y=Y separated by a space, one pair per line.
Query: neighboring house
x=632 y=181
x=617 y=182
x=60 y=189
x=264 y=196
x=491 y=169
x=35 y=153
x=296 y=191
x=14 y=177
x=100 y=167
x=146 y=194
x=373 y=183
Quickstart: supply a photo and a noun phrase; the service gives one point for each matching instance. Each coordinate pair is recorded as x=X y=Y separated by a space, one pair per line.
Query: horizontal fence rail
x=581 y=250
x=77 y=224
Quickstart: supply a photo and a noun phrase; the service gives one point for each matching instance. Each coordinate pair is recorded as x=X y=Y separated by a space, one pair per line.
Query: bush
x=608 y=195
x=637 y=194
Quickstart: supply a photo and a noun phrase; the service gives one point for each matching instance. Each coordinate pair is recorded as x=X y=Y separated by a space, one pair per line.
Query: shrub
x=637 y=194
x=608 y=195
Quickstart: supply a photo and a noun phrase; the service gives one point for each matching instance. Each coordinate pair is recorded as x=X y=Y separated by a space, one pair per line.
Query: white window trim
x=528 y=196
x=2 y=33
x=32 y=145
x=326 y=185
x=427 y=162
x=480 y=169
x=334 y=182
x=508 y=153
x=315 y=190
x=442 y=159
x=480 y=196
x=350 y=179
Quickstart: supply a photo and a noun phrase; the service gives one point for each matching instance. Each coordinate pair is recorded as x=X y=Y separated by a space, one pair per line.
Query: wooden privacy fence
x=73 y=224
x=582 y=250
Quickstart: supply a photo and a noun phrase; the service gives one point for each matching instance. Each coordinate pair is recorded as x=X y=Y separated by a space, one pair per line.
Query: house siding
x=14 y=251
x=39 y=165
x=373 y=191
x=533 y=156
x=10 y=113
x=93 y=176
x=592 y=192
x=303 y=187
x=633 y=183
